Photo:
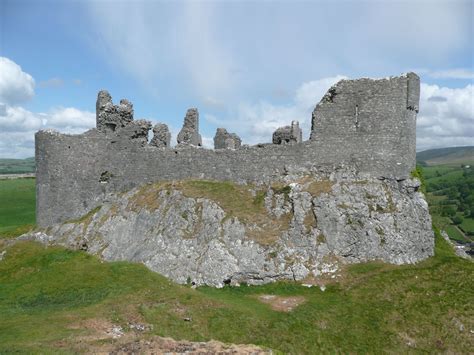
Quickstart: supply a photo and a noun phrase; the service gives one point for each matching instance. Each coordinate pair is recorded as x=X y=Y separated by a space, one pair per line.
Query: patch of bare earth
x=104 y=337
x=97 y=329
x=281 y=303
x=159 y=345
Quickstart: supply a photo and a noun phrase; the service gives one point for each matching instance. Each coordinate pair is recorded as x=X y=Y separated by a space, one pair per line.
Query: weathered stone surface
x=370 y=117
x=189 y=134
x=329 y=220
x=288 y=134
x=226 y=140
x=110 y=117
x=161 y=136
x=136 y=130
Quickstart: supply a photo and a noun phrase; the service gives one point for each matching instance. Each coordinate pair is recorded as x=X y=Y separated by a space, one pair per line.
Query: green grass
x=448 y=174
x=17 y=166
x=467 y=225
x=454 y=234
x=376 y=308
x=17 y=207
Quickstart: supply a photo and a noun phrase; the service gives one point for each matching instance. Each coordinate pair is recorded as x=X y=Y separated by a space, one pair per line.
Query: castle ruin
x=365 y=124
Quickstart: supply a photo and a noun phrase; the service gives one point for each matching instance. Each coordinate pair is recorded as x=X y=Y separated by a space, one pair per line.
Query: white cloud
x=18 y=144
x=17 y=119
x=18 y=127
x=69 y=120
x=16 y=86
x=446 y=117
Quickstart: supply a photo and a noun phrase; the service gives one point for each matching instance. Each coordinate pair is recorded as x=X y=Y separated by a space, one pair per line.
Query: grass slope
x=46 y=292
x=17 y=166
x=17 y=206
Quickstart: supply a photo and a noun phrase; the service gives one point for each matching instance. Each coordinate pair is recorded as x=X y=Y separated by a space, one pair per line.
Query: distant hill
x=451 y=155
x=17 y=166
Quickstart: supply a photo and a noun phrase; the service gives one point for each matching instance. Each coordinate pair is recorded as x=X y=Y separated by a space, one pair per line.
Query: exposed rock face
x=288 y=134
x=193 y=231
x=189 y=134
x=226 y=140
x=109 y=117
x=161 y=136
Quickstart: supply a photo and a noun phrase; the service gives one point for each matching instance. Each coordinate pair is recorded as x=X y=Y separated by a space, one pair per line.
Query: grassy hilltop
x=50 y=296
x=57 y=300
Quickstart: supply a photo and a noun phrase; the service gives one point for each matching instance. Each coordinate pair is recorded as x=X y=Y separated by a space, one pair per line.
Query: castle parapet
x=226 y=140
x=366 y=126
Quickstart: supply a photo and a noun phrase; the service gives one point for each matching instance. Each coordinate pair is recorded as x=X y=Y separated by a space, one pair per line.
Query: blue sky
x=248 y=66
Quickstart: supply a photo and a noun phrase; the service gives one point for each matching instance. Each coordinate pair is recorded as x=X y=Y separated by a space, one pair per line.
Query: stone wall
x=366 y=125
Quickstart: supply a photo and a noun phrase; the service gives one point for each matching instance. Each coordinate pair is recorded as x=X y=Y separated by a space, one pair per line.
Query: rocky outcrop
x=288 y=134
x=214 y=233
x=189 y=134
x=161 y=136
x=226 y=140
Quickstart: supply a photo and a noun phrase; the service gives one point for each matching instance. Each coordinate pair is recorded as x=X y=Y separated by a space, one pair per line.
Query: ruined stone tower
x=367 y=125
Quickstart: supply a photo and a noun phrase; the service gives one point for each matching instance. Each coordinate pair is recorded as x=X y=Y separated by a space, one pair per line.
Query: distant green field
x=17 y=166
x=450 y=195
x=17 y=206
x=454 y=234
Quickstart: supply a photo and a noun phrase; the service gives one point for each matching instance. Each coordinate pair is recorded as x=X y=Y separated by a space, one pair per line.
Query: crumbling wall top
x=110 y=117
x=189 y=134
x=226 y=140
